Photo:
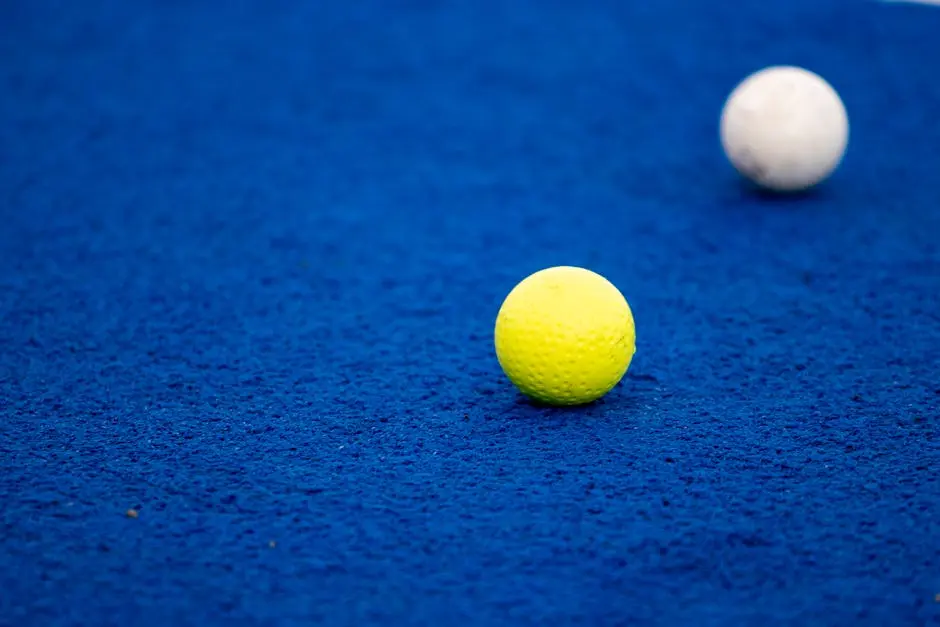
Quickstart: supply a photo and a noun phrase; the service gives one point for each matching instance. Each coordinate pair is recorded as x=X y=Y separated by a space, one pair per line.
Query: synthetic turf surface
x=250 y=258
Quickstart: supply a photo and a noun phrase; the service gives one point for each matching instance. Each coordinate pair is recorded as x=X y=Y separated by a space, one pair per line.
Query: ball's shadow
x=524 y=409
x=617 y=400
x=768 y=195
x=746 y=191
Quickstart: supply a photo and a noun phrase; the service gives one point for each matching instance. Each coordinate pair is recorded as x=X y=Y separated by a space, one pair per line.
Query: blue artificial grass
x=250 y=258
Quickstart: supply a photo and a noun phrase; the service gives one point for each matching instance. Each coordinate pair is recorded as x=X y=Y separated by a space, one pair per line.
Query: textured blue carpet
x=250 y=258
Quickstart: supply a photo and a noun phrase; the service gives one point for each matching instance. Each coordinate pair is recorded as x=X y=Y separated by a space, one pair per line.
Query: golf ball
x=784 y=128
x=565 y=336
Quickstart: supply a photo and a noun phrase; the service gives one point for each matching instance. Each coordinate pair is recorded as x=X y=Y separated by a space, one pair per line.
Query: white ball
x=784 y=128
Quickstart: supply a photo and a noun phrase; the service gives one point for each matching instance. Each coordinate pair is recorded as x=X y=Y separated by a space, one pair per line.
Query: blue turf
x=250 y=258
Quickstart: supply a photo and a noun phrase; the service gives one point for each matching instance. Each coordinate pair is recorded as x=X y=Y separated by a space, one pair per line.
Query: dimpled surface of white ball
x=785 y=128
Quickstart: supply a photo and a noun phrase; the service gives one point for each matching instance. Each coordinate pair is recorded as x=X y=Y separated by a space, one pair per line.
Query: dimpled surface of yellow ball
x=565 y=336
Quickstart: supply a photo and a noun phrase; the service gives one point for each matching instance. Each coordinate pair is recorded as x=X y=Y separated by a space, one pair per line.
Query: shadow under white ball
x=784 y=128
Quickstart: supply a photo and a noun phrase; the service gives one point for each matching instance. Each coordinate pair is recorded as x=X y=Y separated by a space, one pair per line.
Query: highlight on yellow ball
x=565 y=336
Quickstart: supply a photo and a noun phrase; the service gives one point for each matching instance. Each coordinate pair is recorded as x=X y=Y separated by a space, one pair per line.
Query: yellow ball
x=565 y=336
